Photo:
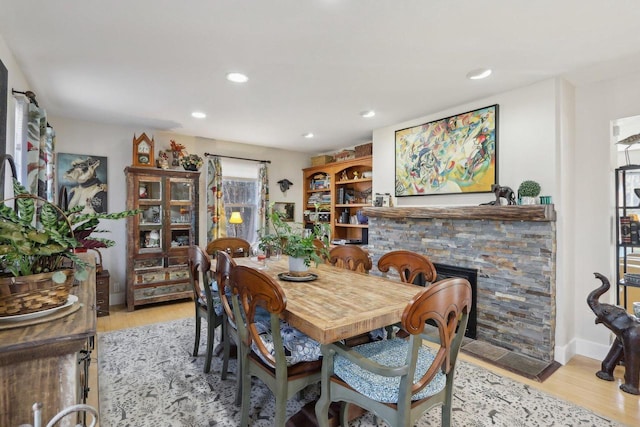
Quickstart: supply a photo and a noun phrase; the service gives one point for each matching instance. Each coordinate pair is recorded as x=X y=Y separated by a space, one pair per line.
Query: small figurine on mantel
x=163 y=160
x=502 y=193
x=355 y=175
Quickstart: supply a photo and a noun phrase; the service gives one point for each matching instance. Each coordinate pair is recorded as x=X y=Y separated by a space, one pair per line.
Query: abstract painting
x=454 y=155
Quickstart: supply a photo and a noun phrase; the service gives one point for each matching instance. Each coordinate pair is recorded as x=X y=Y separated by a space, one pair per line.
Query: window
x=241 y=193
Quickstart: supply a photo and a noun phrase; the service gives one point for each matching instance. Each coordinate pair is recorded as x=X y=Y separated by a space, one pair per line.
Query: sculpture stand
x=627 y=344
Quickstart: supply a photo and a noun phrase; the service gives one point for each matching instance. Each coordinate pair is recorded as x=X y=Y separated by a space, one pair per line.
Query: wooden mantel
x=539 y=213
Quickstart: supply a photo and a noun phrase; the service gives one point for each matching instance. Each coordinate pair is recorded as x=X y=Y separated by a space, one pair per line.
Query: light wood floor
x=575 y=382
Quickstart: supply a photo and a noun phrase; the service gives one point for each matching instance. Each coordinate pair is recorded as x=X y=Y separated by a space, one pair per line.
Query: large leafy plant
x=38 y=237
x=293 y=240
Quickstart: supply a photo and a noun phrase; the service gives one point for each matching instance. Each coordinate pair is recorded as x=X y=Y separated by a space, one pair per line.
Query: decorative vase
x=190 y=168
x=297 y=267
x=528 y=200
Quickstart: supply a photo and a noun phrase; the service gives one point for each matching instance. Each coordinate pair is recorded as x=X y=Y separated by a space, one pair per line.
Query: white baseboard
x=580 y=347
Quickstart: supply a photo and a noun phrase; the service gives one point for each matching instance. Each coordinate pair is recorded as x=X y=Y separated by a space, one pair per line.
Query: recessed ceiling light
x=237 y=77
x=479 y=73
x=308 y=135
x=367 y=114
x=198 y=115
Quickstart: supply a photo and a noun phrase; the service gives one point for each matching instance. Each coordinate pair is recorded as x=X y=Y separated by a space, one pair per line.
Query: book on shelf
x=634 y=226
x=625 y=230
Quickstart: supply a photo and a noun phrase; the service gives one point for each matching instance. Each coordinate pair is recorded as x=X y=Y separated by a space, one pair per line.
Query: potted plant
x=294 y=241
x=191 y=162
x=528 y=191
x=37 y=243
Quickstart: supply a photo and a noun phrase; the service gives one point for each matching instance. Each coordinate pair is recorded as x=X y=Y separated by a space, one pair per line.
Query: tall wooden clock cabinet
x=158 y=237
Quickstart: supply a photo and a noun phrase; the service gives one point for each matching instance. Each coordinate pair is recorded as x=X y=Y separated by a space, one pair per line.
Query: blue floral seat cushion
x=298 y=347
x=390 y=353
x=217 y=302
x=262 y=319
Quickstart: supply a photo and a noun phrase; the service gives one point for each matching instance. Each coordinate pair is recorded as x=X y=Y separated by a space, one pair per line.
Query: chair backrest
x=409 y=265
x=250 y=289
x=320 y=248
x=234 y=246
x=224 y=265
x=200 y=275
x=350 y=257
x=447 y=303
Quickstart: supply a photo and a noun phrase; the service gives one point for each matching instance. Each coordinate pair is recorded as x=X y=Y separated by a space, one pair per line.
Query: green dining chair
x=205 y=298
x=224 y=265
x=399 y=380
x=284 y=358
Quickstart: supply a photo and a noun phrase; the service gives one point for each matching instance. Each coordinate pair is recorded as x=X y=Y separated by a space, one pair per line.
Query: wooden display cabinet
x=334 y=194
x=158 y=238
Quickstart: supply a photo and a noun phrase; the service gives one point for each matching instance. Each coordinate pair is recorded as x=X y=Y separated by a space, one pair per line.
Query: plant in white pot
x=293 y=240
x=528 y=191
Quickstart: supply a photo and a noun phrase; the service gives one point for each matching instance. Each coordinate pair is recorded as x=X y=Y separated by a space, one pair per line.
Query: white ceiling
x=313 y=65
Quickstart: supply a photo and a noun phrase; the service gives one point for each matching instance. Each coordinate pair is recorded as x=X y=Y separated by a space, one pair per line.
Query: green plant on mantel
x=293 y=241
x=529 y=189
x=37 y=237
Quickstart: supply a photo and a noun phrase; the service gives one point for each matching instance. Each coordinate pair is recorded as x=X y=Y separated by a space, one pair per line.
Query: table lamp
x=235 y=219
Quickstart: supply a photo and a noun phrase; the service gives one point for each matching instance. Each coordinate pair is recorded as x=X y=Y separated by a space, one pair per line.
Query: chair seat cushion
x=390 y=353
x=262 y=319
x=298 y=347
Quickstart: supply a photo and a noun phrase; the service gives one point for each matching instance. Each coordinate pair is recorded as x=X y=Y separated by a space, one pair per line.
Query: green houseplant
x=294 y=241
x=527 y=191
x=38 y=241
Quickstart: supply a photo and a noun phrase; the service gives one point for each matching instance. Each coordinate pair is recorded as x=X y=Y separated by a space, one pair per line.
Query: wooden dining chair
x=224 y=265
x=205 y=300
x=321 y=249
x=234 y=246
x=412 y=267
x=398 y=379
x=284 y=358
x=351 y=257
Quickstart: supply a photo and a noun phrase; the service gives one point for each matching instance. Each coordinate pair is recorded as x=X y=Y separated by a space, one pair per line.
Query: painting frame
x=82 y=177
x=286 y=209
x=452 y=155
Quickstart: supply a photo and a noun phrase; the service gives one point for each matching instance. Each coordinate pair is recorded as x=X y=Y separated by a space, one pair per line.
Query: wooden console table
x=46 y=362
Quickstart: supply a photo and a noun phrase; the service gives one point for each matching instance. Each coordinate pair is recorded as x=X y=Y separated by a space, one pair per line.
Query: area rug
x=147 y=377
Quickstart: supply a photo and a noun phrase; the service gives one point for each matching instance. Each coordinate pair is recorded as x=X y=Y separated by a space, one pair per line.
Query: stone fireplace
x=512 y=247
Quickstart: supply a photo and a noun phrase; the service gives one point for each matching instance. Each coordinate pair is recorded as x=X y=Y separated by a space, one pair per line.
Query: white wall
x=560 y=136
x=535 y=139
x=115 y=142
x=526 y=145
x=597 y=105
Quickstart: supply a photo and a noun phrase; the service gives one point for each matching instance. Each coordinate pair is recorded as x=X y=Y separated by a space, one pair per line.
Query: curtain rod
x=237 y=158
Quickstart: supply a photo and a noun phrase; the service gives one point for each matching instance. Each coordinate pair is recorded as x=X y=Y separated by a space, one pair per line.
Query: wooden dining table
x=339 y=303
